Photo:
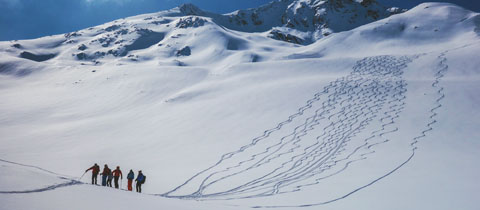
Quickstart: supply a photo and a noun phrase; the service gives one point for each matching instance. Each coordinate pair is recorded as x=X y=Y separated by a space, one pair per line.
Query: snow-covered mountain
x=219 y=115
x=171 y=34
x=285 y=19
x=174 y=35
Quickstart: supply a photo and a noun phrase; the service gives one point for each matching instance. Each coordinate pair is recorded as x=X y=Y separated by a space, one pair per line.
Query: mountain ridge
x=174 y=35
x=318 y=17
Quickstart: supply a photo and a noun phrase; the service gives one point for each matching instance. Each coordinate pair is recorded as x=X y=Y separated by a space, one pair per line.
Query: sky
x=27 y=19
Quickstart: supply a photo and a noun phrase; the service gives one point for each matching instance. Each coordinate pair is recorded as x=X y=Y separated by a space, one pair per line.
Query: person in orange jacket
x=116 y=175
x=95 y=170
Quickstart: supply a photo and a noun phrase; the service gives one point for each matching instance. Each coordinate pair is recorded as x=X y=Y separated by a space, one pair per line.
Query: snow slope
x=383 y=116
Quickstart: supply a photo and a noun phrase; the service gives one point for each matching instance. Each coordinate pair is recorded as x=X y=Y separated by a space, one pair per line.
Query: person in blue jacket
x=140 y=180
x=130 y=178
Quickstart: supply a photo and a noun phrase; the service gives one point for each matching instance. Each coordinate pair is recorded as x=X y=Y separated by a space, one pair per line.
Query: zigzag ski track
x=338 y=127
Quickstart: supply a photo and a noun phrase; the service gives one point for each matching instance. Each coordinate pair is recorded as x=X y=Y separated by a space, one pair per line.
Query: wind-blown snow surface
x=380 y=117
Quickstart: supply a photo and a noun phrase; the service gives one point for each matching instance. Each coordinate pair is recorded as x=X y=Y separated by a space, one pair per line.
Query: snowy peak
x=190 y=9
x=429 y=25
x=432 y=22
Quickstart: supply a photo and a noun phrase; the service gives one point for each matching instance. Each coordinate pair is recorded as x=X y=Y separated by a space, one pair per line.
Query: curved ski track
x=69 y=182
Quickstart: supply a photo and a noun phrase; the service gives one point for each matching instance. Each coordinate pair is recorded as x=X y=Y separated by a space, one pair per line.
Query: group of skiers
x=109 y=175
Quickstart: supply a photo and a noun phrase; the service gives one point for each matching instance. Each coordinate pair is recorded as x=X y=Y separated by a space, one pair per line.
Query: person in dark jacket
x=130 y=178
x=140 y=180
x=105 y=173
x=95 y=170
x=109 y=179
x=116 y=175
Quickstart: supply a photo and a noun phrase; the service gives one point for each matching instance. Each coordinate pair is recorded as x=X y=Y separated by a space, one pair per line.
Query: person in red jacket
x=95 y=170
x=117 y=174
x=105 y=173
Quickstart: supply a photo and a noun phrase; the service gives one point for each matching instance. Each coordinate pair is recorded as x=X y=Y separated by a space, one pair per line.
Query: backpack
x=143 y=180
x=96 y=169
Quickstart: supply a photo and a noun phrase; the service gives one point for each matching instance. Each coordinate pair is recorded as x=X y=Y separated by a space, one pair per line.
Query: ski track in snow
x=51 y=187
x=353 y=104
x=316 y=148
x=441 y=71
x=70 y=182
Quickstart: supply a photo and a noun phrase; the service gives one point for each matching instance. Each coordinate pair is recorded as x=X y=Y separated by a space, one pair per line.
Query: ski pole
x=121 y=184
x=82 y=176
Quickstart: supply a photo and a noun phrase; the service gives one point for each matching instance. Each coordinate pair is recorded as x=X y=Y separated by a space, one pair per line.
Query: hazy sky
x=25 y=19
